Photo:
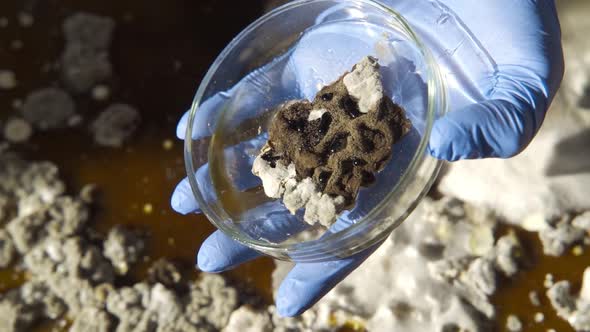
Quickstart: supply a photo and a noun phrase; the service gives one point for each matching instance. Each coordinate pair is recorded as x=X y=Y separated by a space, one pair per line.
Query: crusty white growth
x=17 y=130
x=518 y=187
x=7 y=80
x=574 y=309
x=364 y=84
x=513 y=324
x=273 y=179
x=247 y=319
x=280 y=182
x=395 y=290
x=316 y=114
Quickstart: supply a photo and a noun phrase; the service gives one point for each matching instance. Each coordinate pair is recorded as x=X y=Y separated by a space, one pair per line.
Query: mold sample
x=48 y=108
x=115 y=125
x=74 y=272
x=513 y=324
x=319 y=154
x=7 y=80
x=85 y=59
x=446 y=284
x=574 y=309
x=561 y=236
x=17 y=130
x=123 y=248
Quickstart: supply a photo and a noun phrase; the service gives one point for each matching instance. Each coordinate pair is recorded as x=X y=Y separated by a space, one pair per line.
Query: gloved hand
x=506 y=53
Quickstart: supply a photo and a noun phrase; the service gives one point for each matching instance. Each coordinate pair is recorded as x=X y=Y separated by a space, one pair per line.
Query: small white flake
x=101 y=92
x=7 y=80
x=17 y=130
x=16 y=44
x=548 y=283
x=539 y=317
x=534 y=298
x=316 y=114
x=513 y=324
x=25 y=20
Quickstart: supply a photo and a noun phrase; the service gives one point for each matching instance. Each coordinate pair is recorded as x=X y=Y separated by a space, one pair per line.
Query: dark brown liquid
x=151 y=36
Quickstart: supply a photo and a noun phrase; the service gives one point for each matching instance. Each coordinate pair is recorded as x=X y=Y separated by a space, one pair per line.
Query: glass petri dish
x=289 y=54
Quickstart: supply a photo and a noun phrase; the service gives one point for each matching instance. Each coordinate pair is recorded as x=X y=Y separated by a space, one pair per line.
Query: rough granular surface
x=342 y=149
x=48 y=108
x=75 y=272
x=115 y=125
x=339 y=141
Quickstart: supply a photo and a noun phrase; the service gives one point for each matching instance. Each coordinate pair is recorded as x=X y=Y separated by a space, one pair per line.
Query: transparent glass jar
x=293 y=51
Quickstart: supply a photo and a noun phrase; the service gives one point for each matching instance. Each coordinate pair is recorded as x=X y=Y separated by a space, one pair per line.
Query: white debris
x=582 y=221
x=550 y=176
x=534 y=298
x=93 y=320
x=83 y=67
x=74 y=277
x=7 y=250
x=48 y=108
x=444 y=285
x=89 y=30
x=273 y=178
x=548 y=282
x=123 y=247
x=17 y=104
x=574 y=309
x=316 y=114
x=539 y=317
x=25 y=19
x=7 y=79
x=246 y=319
x=16 y=44
x=23 y=307
x=17 y=130
x=559 y=238
x=513 y=324
x=280 y=182
x=85 y=60
x=535 y=222
x=101 y=92
x=115 y=125
x=364 y=84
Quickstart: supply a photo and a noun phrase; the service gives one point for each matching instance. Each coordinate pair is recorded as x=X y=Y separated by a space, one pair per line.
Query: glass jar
x=290 y=53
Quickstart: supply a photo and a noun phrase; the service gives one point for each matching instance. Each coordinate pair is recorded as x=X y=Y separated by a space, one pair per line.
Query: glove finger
x=490 y=129
x=270 y=220
x=307 y=283
x=240 y=156
x=219 y=253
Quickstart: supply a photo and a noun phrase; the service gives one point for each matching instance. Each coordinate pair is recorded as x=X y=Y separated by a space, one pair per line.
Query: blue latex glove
x=502 y=61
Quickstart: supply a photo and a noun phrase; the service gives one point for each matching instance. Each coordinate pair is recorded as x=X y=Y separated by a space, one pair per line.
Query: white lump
x=574 y=309
x=425 y=277
x=7 y=80
x=280 y=182
x=115 y=125
x=364 y=84
x=48 y=108
x=17 y=130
